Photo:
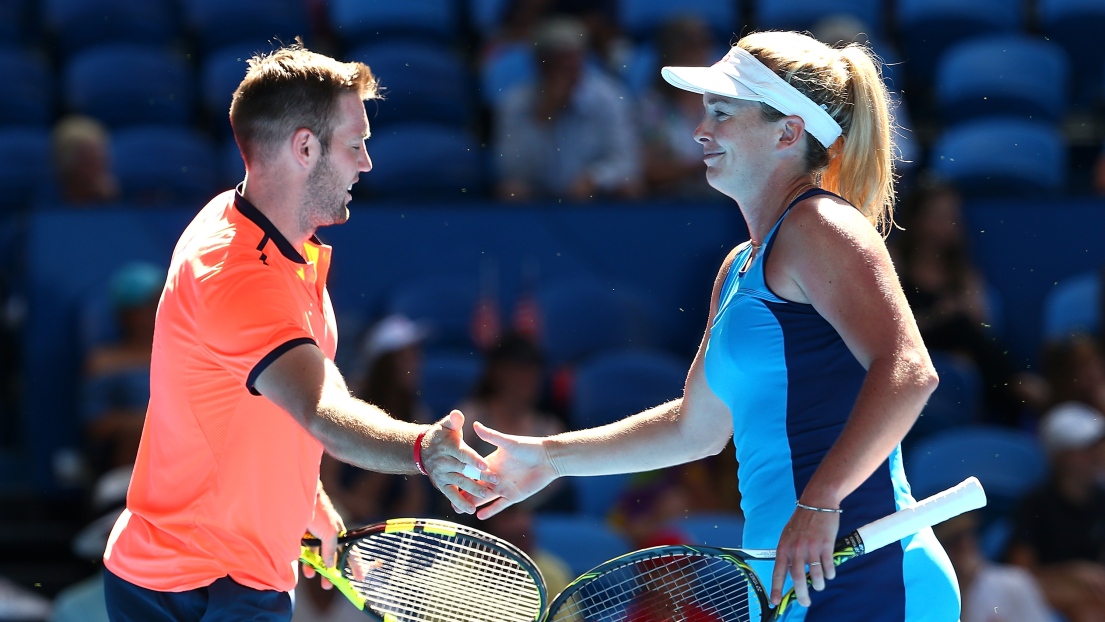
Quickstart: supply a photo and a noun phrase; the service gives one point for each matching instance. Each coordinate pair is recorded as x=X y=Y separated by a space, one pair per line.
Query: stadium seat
x=642 y=18
x=415 y=161
x=712 y=528
x=804 y=14
x=508 y=67
x=16 y=23
x=957 y=400
x=597 y=495
x=444 y=302
x=1007 y=462
x=485 y=16
x=1014 y=75
x=220 y=75
x=220 y=23
x=447 y=379
x=422 y=82
x=1076 y=25
x=161 y=165
x=613 y=385
x=583 y=542
x=1002 y=157
x=232 y=170
x=81 y=24
x=358 y=22
x=29 y=89
x=25 y=165
x=930 y=27
x=1073 y=306
x=127 y=84
x=581 y=317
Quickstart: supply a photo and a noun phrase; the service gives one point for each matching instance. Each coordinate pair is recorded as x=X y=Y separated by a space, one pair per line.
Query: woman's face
x=735 y=140
x=940 y=220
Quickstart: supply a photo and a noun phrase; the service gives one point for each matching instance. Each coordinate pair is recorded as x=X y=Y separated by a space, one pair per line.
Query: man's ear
x=305 y=147
x=793 y=130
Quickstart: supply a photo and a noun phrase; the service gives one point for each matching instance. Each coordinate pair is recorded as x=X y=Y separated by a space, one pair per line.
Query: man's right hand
x=444 y=456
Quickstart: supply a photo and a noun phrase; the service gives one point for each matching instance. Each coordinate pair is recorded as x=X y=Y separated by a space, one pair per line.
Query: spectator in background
x=570 y=134
x=991 y=592
x=116 y=379
x=1059 y=529
x=1076 y=371
x=948 y=297
x=82 y=159
x=392 y=380
x=673 y=163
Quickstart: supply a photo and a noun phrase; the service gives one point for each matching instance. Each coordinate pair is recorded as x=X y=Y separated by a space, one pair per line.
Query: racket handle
x=966 y=496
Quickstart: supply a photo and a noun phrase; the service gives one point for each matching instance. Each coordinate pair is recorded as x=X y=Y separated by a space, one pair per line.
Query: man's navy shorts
x=223 y=600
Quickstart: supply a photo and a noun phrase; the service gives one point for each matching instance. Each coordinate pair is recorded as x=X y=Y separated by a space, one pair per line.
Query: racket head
x=418 y=569
x=674 y=583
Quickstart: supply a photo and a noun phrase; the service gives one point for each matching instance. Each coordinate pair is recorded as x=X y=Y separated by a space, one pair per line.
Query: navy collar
x=271 y=232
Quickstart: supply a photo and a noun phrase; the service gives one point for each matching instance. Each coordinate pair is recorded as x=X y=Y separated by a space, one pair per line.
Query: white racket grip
x=966 y=496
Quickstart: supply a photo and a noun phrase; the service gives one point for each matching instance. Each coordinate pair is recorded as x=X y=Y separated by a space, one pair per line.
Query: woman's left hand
x=808 y=540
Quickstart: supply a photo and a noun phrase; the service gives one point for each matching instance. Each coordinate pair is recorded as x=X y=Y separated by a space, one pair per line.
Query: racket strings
x=452 y=578
x=667 y=588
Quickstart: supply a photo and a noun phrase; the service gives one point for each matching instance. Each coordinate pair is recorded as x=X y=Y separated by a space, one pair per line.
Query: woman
x=811 y=357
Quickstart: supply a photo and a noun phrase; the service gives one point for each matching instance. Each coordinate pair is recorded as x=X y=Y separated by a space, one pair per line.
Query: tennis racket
x=707 y=584
x=424 y=570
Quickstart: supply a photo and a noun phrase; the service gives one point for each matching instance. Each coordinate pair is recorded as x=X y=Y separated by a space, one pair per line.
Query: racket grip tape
x=966 y=496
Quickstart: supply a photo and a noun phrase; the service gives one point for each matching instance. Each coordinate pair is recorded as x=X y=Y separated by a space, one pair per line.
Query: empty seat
x=642 y=18
x=24 y=165
x=444 y=303
x=29 y=91
x=220 y=76
x=422 y=82
x=81 y=24
x=596 y=495
x=1003 y=75
x=508 y=67
x=1002 y=157
x=930 y=27
x=220 y=23
x=361 y=21
x=447 y=379
x=413 y=161
x=1076 y=25
x=583 y=542
x=126 y=84
x=1073 y=306
x=485 y=16
x=712 y=528
x=613 y=385
x=957 y=400
x=232 y=170
x=581 y=317
x=16 y=24
x=804 y=14
x=159 y=165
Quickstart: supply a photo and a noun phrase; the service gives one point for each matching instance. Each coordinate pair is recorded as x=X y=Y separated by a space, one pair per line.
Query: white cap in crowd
x=1071 y=425
x=392 y=333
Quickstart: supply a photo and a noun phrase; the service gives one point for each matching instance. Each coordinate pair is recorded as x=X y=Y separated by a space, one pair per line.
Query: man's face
x=329 y=185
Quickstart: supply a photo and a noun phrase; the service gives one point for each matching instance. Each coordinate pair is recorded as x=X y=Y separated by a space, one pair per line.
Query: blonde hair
x=289 y=89
x=847 y=82
x=71 y=135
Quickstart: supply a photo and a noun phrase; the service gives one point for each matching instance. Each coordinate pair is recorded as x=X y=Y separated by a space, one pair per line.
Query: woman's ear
x=792 y=132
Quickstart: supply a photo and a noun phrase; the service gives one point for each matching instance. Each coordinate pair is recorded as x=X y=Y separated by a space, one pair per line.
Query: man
x=244 y=392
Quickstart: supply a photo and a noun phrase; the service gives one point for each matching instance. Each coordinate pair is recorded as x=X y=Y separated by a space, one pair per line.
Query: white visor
x=742 y=76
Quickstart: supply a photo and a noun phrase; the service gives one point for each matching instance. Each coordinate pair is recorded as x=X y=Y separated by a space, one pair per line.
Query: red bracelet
x=418 y=454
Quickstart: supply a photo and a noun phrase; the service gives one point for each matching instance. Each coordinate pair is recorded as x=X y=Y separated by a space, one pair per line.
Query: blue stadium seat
x=220 y=75
x=1076 y=25
x=1007 y=462
x=597 y=495
x=485 y=16
x=447 y=379
x=232 y=170
x=80 y=24
x=957 y=400
x=613 y=385
x=127 y=84
x=508 y=67
x=444 y=302
x=422 y=82
x=25 y=165
x=413 y=161
x=583 y=542
x=357 y=22
x=930 y=27
x=29 y=92
x=220 y=23
x=1073 y=306
x=1003 y=75
x=581 y=317
x=163 y=165
x=1002 y=157
x=712 y=528
x=804 y=14
x=642 y=18
x=17 y=25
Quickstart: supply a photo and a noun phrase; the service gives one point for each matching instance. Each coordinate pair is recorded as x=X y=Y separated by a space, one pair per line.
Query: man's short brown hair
x=289 y=89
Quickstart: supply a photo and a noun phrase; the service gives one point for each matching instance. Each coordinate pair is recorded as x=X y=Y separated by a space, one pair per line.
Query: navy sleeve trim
x=276 y=353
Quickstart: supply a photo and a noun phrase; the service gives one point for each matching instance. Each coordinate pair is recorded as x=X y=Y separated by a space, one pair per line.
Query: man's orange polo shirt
x=225 y=481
